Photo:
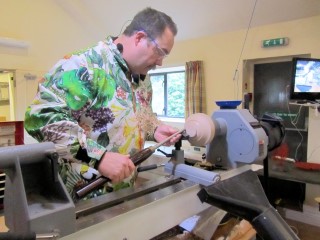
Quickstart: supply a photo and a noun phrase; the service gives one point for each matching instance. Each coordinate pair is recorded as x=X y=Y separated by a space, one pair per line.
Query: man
x=97 y=104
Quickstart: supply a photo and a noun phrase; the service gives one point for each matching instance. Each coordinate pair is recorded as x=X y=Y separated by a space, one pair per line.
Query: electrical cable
x=294 y=122
x=123 y=26
x=295 y=230
x=244 y=43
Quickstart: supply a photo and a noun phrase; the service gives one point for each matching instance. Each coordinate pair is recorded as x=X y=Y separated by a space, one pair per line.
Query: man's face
x=152 y=51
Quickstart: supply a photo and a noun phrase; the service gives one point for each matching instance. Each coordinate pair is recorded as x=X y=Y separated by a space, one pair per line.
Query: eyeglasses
x=161 y=53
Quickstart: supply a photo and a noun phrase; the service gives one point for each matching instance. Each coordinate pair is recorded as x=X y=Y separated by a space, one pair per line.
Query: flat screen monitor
x=305 y=80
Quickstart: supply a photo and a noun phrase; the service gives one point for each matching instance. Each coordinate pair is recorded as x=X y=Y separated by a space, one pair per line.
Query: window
x=168 y=92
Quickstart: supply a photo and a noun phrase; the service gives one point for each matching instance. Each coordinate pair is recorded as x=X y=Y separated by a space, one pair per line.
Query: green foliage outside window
x=168 y=94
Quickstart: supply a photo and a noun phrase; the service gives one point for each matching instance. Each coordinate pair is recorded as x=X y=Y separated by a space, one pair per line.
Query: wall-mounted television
x=305 y=80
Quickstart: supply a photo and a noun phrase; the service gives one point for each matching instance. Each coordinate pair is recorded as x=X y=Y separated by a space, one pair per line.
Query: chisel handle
x=93 y=185
x=137 y=158
x=141 y=156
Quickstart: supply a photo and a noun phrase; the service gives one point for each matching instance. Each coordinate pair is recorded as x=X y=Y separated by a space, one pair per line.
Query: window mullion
x=165 y=95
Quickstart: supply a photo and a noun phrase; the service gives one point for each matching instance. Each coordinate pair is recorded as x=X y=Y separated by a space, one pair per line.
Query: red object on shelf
x=281 y=151
x=11 y=133
x=307 y=165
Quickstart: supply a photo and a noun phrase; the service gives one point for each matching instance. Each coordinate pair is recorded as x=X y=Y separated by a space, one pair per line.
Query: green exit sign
x=275 y=42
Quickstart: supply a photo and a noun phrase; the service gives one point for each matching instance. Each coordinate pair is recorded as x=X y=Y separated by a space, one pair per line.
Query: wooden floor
x=304 y=231
x=3 y=227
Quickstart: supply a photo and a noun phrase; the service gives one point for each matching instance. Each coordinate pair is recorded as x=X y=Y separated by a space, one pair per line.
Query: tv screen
x=305 y=81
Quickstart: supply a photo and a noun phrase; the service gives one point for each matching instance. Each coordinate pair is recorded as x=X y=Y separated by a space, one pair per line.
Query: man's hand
x=116 y=166
x=164 y=131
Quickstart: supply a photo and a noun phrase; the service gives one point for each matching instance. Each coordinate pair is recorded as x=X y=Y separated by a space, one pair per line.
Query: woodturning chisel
x=136 y=158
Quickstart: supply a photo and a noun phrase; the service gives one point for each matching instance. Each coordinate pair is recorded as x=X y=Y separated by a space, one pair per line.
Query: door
x=7 y=98
x=271 y=95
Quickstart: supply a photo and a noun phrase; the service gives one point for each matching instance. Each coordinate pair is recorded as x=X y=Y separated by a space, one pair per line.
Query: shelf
x=312 y=105
x=297 y=129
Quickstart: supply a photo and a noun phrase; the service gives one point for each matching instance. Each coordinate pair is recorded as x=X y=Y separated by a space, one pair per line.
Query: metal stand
x=266 y=176
x=35 y=199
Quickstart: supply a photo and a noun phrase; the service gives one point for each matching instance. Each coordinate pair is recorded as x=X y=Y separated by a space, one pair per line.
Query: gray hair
x=151 y=21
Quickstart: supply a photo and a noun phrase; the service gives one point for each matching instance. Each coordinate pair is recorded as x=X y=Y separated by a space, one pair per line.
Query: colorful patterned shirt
x=87 y=104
